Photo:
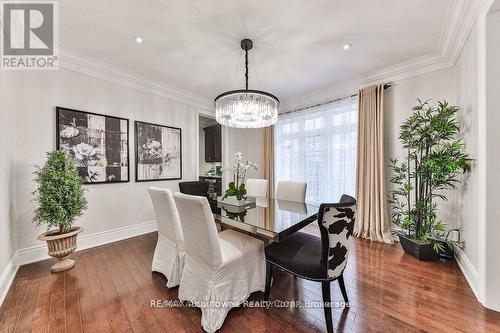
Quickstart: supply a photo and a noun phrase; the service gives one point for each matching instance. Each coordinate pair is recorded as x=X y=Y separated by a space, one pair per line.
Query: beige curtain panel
x=372 y=219
x=269 y=171
x=269 y=158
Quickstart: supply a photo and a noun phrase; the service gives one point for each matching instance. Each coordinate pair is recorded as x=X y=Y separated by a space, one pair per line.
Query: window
x=318 y=146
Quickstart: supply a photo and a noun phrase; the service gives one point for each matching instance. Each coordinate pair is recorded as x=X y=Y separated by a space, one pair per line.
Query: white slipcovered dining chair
x=257 y=187
x=168 y=258
x=291 y=191
x=221 y=269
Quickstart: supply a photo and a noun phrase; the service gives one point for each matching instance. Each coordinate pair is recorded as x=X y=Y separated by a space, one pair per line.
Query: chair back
x=166 y=213
x=257 y=187
x=199 y=188
x=336 y=224
x=291 y=191
x=292 y=206
x=201 y=240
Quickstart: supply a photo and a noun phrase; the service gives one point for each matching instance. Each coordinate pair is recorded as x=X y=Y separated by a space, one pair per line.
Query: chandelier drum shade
x=246 y=108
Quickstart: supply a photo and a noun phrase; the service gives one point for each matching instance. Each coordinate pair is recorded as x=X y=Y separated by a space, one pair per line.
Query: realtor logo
x=29 y=35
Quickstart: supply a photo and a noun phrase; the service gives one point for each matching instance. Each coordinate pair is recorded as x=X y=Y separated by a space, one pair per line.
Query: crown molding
x=90 y=66
x=460 y=17
x=458 y=23
x=463 y=28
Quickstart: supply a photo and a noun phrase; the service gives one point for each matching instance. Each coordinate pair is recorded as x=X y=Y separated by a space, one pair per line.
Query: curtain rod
x=325 y=103
x=319 y=104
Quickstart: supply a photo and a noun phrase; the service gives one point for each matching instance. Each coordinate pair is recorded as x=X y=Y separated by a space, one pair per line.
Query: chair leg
x=342 y=287
x=269 y=277
x=327 y=307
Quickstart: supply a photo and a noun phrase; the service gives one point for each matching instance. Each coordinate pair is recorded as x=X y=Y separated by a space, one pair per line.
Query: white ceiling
x=495 y=7
x=193 y=46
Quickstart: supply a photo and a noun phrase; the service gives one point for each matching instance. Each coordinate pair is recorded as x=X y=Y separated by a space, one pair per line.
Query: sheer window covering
x=318 y=146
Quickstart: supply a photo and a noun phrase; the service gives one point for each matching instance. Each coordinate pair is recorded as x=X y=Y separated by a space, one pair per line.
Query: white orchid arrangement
x=240 y=168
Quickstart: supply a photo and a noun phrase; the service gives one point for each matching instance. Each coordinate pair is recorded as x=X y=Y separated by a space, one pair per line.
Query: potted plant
x=236 y=188
x=60 y=200
x=434 y=162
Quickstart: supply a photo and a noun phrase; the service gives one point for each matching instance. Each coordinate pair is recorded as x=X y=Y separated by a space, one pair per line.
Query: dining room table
x=268 y=218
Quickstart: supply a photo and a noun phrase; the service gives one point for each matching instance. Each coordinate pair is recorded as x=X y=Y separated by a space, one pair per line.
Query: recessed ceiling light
x=139 y=40
x=347 y=46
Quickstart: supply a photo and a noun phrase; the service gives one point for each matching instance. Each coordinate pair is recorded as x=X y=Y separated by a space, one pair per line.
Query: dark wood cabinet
x=213 y=143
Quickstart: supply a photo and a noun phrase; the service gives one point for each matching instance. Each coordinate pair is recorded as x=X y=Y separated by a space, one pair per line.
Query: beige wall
x=248 y=141
x=463 y=204
x=455 y=85
x=492 y=271
x=399 y=100
x=110 y=206
x=27 y=132
x=8 y=239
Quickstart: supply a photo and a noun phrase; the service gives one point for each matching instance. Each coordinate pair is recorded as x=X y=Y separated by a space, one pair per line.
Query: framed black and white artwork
x=97 y=143
x=158 y=152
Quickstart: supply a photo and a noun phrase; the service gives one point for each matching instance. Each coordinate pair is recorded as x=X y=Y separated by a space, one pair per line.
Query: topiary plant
x=60 y=194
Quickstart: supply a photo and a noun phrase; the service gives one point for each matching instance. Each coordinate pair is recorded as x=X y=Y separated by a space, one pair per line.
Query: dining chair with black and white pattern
x=321 y=259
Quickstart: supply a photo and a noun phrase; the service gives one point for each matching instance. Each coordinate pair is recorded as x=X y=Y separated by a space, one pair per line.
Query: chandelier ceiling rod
x=246 y=69
x=246 y=44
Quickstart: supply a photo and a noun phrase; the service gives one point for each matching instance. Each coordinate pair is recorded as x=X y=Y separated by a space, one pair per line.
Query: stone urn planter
x=61 y=246
x=60 y=201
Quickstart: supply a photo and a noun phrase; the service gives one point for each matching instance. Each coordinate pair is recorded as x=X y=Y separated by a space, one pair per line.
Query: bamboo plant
x=434 y=162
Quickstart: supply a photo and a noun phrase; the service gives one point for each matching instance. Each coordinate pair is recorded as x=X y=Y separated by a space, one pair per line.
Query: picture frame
x=98 y=143
x=158 y=152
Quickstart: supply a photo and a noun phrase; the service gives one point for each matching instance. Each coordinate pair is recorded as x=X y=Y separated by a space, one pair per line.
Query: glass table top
x=268 y=217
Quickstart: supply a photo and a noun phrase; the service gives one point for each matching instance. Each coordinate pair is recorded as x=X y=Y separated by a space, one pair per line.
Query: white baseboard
x=39 y=252
x=469 y=271
x=7 y=277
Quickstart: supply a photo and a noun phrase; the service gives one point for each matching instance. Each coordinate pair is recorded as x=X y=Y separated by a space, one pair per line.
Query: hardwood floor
x=111 y=288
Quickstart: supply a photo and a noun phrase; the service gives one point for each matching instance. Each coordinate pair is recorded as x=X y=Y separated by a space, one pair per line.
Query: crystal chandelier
x=246 y=108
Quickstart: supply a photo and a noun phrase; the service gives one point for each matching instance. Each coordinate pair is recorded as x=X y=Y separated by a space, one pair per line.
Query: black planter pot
x=419 y=251
x=446 y=252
